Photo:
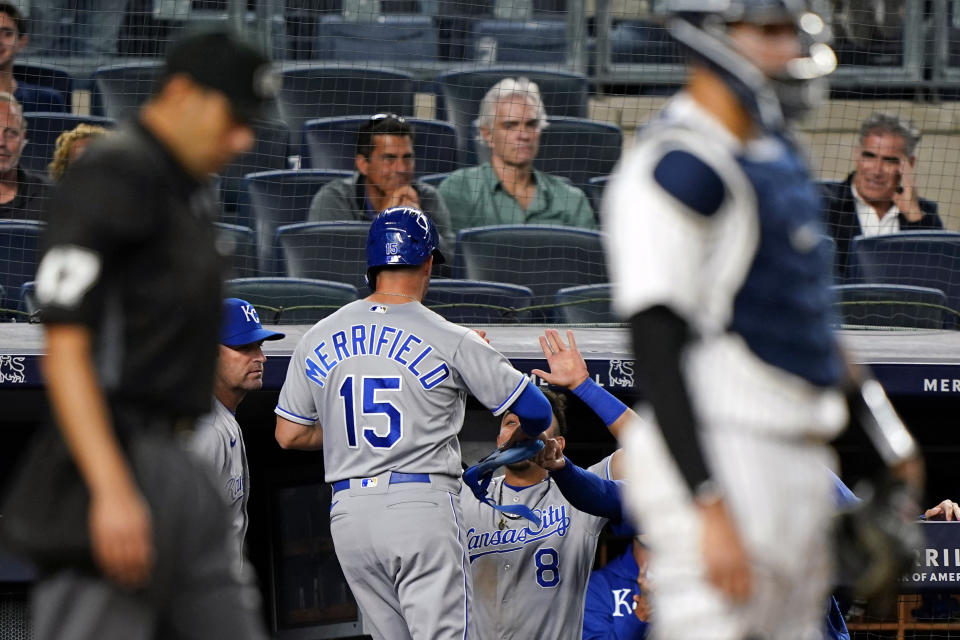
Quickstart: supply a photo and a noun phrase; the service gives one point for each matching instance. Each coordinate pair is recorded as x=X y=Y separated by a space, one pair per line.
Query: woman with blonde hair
x=70 y=145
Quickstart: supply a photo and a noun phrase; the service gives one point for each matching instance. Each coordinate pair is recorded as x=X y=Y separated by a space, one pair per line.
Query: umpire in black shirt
x=130 y=285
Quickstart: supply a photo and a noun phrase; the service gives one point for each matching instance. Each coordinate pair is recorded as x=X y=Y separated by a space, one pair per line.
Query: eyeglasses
x=387 y=116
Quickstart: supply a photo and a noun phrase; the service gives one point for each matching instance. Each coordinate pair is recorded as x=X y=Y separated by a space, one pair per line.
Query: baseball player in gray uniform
x=381 y=386
x=217 y=438
x=520 y=568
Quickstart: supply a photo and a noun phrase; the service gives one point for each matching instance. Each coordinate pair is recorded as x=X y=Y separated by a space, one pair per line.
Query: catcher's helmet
x=401 y=236
x=701 y=26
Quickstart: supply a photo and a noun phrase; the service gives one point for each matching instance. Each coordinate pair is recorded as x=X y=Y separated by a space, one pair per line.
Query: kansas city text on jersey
x=553 y=521
x=405 y=348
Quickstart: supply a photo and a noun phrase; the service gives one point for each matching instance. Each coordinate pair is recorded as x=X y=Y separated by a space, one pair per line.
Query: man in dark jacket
x=880 y=196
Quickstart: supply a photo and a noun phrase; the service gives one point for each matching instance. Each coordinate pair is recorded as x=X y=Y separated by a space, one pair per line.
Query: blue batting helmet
x=773 y=100
x=401 y=236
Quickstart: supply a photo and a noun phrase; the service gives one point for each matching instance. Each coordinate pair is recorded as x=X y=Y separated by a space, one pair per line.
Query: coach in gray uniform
x=217 y=438
x=381 y=385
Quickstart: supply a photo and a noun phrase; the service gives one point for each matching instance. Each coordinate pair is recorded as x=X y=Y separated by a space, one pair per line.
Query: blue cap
x=241 y=324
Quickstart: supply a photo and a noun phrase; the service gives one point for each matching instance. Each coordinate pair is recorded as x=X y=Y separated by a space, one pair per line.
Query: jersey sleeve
x=487 y=373
x=98 y=218
x=658 y=214
x=297 y=403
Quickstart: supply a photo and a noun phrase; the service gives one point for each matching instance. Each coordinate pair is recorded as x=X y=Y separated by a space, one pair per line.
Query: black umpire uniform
x=131 y=256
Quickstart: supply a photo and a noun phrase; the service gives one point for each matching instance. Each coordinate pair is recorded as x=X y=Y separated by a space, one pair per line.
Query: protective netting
x=603 y=69
x=931 y=616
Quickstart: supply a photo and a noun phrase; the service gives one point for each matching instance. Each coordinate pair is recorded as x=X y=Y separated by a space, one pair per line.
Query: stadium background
x=613 y=68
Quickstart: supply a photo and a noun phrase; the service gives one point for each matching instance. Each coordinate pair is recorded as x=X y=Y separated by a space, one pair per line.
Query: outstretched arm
x=586 y=491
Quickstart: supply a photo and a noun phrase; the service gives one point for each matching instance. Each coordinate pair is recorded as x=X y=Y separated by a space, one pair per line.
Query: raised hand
x=551 y=457
x=567 y=367
x=905 y=197
x=404 y=196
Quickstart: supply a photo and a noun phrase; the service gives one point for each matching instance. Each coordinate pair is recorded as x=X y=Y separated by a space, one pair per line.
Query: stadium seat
x=54 y=79
x=543 y=258
x=120 y=89
x=434 y=179
x=313 y=90
x=595 y=189
x=239 y=245
x=43 y=129
x=915 y=258
x=291 y=300
x=269 y=153
x=277 y=198
x=573 y=148
x=466 y=301
x=390 y=38
x=538 y=41
x=891 y=305
x=584 y=305
x=19 y=253
x=642 y=42
x=334 y=251
x=28 y=298
x=332 y=144
x=579 y=149
x=564 y=95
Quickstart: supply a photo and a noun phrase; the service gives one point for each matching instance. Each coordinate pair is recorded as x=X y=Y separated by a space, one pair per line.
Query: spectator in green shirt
x=507 y=189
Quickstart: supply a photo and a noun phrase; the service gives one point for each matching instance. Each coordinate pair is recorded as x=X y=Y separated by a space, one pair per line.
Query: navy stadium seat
x=564 y=95
x=291 y=300
x=389 y=38
x=642 y=42
x=334 y=251
x=278 y=198
x=19 y=253
x=239 y=245
x=891 y=305
x=332 y=144
x=537 y=41
x=28 y=298
x=466 y=301
x=269 y=153
x=543 y=258
x=58 y=82
x=312 y=90
x=916 y=258
x=120 y=89
x=595 y=188
x=584 y=305
x=43 y=129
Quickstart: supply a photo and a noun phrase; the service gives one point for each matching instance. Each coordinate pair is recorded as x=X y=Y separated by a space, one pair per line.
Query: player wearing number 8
x=381 y=386
x=521 y=568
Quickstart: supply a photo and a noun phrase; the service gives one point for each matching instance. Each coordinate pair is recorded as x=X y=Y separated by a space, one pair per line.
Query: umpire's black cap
x=222 y=61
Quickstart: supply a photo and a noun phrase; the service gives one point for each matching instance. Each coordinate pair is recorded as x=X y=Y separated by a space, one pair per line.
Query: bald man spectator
x=880 y=196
